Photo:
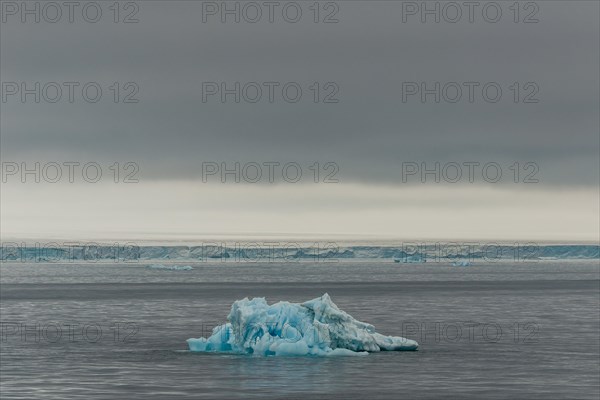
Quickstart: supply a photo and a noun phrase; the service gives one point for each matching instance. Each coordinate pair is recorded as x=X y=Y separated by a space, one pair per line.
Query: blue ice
x=316 y=327
x=462 y=263
x=171 y=267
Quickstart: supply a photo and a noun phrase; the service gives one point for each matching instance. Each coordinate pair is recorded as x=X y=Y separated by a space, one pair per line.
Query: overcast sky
x=364 y=61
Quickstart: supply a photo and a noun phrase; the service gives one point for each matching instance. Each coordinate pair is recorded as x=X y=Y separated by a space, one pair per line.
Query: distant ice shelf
x=419 y=258
x=314 y=328
x=300 y=252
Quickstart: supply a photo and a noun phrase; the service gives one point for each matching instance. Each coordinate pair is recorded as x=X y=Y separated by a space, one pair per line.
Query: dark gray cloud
x=368 y=54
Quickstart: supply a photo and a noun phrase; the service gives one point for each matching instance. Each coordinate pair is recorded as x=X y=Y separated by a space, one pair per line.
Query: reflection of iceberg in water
x=316 y=327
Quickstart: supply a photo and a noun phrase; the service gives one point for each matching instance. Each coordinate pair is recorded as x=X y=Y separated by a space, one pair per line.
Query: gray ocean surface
x=497 y=330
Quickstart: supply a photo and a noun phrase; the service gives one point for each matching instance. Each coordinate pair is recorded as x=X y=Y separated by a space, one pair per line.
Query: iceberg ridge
x=316 y=327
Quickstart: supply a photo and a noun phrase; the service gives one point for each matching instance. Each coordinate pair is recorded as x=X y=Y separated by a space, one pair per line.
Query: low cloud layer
x=362 y=72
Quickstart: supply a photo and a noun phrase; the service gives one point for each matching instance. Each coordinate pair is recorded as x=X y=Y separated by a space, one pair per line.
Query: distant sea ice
x=462 y=263
x=316 y=327
x=171 y=267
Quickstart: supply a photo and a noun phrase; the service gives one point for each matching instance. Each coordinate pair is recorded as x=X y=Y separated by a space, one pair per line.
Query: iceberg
x=462 y=263
x=314 y=328
x=171 y=267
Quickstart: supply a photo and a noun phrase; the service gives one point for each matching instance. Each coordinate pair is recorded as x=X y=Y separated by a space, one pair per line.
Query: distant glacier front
x=314 y=328
x=407 y=252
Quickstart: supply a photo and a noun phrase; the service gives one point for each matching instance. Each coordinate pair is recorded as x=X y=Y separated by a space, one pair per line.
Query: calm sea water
x=500 y=330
